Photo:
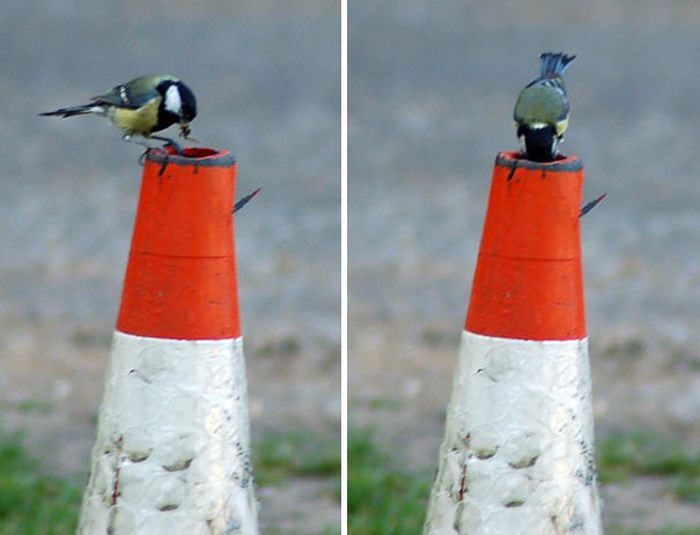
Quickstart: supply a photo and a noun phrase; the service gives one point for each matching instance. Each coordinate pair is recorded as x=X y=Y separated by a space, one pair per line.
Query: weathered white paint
x=518 y=454
x=173 y=441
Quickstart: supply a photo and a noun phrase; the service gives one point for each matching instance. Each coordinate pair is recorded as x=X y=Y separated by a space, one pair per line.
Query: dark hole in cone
x=194 y=152
x=519 y=156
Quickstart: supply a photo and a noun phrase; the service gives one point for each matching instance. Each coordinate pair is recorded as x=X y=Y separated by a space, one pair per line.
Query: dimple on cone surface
x=518 y=451
x=172 y=453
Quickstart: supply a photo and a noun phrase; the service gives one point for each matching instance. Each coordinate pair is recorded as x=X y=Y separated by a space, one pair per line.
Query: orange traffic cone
x=172 y=448
x=518 y=451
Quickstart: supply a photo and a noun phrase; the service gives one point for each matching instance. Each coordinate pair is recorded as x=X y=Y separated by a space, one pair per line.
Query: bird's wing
x=543 y=102
x=133 y=94
x=121 y=97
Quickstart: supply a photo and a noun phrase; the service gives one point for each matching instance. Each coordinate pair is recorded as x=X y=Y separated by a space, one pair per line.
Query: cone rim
x=199 y=156
x=512 y=159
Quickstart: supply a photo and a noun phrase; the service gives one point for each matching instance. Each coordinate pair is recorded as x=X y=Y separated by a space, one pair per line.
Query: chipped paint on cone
x=518 y=451
x=172 y=450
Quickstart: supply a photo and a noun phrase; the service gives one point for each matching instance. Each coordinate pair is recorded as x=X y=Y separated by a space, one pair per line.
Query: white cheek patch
x=173 y=103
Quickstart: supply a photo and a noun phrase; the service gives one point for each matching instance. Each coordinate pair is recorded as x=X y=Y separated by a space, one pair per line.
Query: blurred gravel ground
x=432 y=88
x=267 y=78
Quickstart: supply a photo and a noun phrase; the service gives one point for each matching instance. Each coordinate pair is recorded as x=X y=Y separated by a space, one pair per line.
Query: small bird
x=142 y=106
x=542 y=110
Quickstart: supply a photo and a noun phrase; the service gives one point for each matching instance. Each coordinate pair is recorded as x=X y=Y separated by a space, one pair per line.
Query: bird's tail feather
x=74 y=110
x=554 y=64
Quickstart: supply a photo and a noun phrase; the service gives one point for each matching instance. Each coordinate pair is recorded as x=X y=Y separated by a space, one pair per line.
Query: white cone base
x=518 y=455
x=172 y=449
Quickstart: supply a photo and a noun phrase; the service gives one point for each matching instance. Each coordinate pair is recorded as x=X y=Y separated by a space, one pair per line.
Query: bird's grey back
x=134 y=93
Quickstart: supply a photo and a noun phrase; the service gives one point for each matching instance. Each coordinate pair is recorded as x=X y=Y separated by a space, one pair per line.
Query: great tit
x=142 y=106
x=542 y=110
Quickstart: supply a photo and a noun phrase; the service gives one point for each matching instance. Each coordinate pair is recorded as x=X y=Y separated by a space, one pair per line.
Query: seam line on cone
x=527 y=259
x=143 y=253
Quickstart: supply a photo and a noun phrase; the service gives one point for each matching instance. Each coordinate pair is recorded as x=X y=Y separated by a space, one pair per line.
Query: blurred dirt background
x=267 y=78
x=432 y=88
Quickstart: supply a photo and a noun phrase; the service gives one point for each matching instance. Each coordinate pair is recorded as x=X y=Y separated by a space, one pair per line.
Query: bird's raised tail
x=74 y=110
x=553 y=65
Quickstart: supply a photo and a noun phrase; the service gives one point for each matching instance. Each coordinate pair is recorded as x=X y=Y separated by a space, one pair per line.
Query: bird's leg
x=556 y=143
x=129 y=139
x=523 y=148
x=174 y=144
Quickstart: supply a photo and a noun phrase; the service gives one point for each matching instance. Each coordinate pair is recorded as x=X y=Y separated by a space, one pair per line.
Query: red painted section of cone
x=181 y=276
x=528 y=282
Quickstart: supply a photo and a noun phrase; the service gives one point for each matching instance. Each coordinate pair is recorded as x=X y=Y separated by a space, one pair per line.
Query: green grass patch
x=288 y=346
x=382 y=499
x=32 y=503
x=380 y=403
x=385 y=500
x=278 y=456
x=622 y=456
x=687 y=488
x=27 y=406
x=641 y=452
x=668 y=530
